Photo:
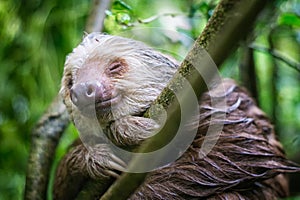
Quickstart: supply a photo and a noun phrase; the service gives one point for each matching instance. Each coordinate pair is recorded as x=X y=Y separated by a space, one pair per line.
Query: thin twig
x=155 y=17
x=248 y=70
x=293 y=64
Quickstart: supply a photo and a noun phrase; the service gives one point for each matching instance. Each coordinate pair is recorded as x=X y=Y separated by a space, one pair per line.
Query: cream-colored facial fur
x=148 y=73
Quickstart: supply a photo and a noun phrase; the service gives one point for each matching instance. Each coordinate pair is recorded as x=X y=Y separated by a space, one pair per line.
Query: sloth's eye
x=117 y=67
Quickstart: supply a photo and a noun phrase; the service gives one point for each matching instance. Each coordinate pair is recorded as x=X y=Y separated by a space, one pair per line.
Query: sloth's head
x=111 y=77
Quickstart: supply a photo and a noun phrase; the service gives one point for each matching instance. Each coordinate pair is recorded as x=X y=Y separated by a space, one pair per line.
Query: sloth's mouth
x=107 y=103
x=100 y=106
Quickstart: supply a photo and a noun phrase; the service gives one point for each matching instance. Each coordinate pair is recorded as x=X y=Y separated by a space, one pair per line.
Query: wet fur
x=246 y=163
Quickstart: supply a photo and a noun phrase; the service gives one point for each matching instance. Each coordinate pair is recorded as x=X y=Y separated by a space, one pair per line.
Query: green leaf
x=121 y=5
x=290 y=19
x=123 y=18
x=108 y=13
x=204 y=8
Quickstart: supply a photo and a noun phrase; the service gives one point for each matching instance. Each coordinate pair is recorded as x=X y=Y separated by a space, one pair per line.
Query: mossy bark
x=44 y=140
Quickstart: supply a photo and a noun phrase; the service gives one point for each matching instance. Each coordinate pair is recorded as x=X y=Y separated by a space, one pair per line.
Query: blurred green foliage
x=36 y=36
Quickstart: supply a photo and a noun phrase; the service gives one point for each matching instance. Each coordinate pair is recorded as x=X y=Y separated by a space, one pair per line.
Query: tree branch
x=52 y=124
x=273 y=83
x=230 y=21
x=45 y=137
x=97 y=16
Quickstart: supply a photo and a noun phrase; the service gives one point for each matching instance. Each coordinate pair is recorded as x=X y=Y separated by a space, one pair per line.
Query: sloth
x=114 y=80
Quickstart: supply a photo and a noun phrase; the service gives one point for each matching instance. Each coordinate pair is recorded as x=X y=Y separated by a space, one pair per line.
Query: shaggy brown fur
x=247 y=161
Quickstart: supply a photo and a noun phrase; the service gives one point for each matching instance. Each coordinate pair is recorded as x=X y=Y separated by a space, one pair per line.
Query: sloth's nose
x=85 y=93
